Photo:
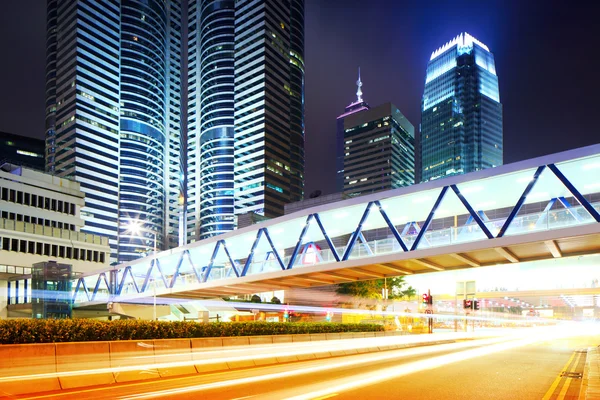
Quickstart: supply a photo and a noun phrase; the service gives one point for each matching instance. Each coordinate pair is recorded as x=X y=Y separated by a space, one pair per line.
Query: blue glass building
x=245 y=143
x=113 y=116
x=461 y=120
x=210 y=199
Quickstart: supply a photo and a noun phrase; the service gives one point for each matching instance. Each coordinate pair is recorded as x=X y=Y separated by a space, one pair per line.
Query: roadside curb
x=590 y=384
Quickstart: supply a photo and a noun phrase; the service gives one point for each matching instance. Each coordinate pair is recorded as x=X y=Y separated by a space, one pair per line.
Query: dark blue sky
x=547 y=60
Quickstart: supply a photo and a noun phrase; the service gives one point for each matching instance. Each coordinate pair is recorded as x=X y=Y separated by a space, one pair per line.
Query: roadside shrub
x=19 y=331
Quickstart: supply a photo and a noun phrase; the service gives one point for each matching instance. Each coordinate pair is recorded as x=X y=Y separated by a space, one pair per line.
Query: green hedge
x=18 y=331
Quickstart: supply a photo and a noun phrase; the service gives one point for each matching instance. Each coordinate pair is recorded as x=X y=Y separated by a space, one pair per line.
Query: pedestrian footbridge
x=542 y=208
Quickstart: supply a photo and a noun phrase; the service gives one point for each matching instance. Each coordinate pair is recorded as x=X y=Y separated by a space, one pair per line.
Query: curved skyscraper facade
x=210 y=120
x=245 y=111
x=117 y=118
x=461 y=120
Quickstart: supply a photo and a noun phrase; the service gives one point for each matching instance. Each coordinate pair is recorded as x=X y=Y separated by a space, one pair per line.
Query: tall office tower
x=354 y=107
x=211 y=36
x=269 y=105
x=461 y=120
x=245 y=111
x=379 y=150
x=113 y=116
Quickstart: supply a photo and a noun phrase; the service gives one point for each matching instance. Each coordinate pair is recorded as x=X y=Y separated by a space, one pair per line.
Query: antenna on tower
x=359 y=91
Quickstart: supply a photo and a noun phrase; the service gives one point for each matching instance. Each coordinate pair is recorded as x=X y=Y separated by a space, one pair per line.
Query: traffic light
x=286 y=314
x=425 y=299
x=467 y=304
x=430 y=298
x=476 y=304
x=328 y=316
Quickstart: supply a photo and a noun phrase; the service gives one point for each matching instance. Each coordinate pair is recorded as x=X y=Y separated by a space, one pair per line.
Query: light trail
x=518 y=337
x=496 y=345
x=213 y=355
x=500 y=318
x=208 y=356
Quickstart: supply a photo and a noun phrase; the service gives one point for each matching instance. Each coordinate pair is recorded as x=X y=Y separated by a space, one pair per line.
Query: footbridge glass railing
x=555 y=192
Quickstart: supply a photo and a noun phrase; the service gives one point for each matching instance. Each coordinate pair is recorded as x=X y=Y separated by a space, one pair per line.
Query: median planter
x=22 y=331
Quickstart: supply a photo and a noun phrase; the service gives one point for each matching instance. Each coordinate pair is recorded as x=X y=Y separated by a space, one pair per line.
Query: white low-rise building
x=40 y=221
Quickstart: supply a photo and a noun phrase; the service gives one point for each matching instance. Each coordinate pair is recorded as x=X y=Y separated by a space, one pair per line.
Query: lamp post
x=135 y=227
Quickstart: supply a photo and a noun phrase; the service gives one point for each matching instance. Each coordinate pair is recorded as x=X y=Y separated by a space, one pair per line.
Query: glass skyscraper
x=113 y=87
x=379 y=150
x=461 y=120
x=269 y=105
x=246 y=111
x=210 y=193
x=354 y=107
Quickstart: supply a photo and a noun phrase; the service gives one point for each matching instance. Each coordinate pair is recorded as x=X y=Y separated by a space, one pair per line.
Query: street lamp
x=135 y=227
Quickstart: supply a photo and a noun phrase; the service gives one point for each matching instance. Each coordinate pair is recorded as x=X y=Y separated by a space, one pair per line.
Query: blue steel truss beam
x=590 y=209
x=521 y=201
x=569 y=208
x=299 y=243
x=251 y=254
x=211 y=262
x=274 y=250
x=566 y=205
x=196 y=273
x=250 y=258
x=429 y=218
x=97 y=287
x=147 y=277
x=80 y=284
x=122 y=283
x=176 y=273
x=160 y=272
x=329 y=242
x=365 y=244
x=472 y=212
x=391 y=226
x=357 y=232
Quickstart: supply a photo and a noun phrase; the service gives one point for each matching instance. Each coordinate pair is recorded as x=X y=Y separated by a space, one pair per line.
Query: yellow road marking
x=565 y=387
x=557 y=380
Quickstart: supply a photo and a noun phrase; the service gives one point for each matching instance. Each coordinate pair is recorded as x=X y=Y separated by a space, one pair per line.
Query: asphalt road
x=527 y=368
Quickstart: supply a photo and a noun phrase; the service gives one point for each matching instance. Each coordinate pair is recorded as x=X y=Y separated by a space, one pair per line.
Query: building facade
x=354 y=107
x=246 y=111
x=113 y=88
x=379 y=150
x=40 y=221
x=461 y=120
x=210 y=191
x=20 y=150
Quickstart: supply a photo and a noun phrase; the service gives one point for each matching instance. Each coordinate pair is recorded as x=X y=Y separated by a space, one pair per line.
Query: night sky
x=547 y=60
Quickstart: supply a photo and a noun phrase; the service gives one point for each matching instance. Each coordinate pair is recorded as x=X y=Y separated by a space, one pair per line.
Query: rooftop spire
x=358 y=90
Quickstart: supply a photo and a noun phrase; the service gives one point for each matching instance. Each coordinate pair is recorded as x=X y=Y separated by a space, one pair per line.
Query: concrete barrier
x=27 y=359
x=301 y=338
x=136 y=355
x=128 y=353
x=260 y=339
x=83 y=356
x=236 y=341
x=200 y=345
x=283 y=339
x=171 y=351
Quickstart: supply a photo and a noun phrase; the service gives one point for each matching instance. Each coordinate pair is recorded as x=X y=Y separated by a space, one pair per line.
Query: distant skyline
x=545 y=52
